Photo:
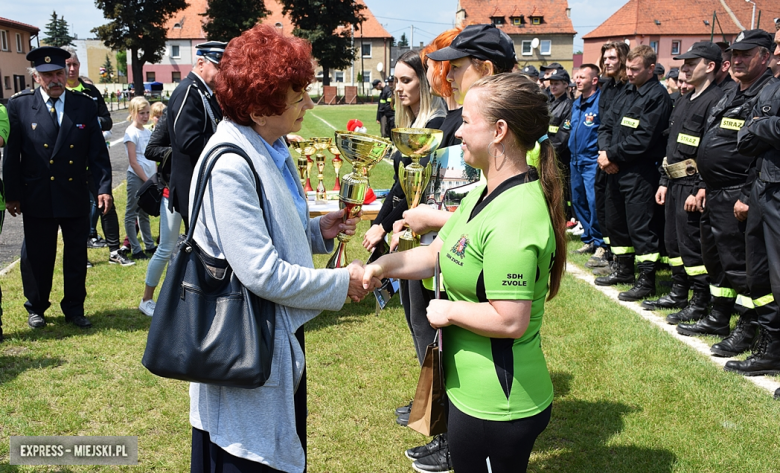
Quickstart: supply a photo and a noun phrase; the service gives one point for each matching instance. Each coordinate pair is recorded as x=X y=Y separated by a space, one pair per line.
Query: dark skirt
x=208 y=457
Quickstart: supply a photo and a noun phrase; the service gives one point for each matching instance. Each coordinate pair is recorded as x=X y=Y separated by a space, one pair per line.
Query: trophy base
x=408 y=241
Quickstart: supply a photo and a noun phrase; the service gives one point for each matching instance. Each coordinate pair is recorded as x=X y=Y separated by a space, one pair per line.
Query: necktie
x=53 y=112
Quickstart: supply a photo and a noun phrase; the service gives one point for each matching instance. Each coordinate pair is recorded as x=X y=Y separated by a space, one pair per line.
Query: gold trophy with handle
x=320 y=144
x=415 y=143
x=304 y=149
x=363 y=152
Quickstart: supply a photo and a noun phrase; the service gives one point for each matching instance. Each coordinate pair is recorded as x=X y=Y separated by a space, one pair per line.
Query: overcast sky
x=429 y=17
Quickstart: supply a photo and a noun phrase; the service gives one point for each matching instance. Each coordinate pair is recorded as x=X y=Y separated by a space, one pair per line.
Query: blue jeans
x=170 y=226
x=583 y=199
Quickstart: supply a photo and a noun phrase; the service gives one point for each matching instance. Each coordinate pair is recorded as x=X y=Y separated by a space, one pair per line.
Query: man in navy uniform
x=192 y=116
x=55 y=153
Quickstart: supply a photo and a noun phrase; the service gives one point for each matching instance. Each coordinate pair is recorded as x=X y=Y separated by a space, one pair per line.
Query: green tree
x=57 y=32
x=139 y=27
x=107 y=71
x=121 y=62
x=328 y=26
x=227 y=19
x=403 y=42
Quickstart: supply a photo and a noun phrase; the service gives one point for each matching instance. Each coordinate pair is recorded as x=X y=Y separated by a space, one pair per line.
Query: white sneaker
x=147 y=307
x=578 y=230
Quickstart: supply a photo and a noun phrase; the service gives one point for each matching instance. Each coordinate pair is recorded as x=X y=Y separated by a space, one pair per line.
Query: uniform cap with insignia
x=48 y=58
x=531 y=71
x=750 y=39
x=551 y=66
x=213 y=50
x=560 y=75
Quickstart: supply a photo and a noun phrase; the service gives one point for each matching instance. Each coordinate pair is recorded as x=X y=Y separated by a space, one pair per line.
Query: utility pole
x=411 y=42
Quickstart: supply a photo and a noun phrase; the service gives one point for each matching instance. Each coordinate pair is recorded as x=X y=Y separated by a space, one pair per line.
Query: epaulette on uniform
x=78 y=92
x=23 y=92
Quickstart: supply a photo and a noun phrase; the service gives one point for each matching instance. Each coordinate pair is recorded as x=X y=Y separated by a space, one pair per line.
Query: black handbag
x=150 y=195
x=207 y=327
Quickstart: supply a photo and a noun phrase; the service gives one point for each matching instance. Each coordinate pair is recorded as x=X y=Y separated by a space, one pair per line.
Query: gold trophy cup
x=415 y=143
x=304 y=149
x=336 y=161
x=363 y=152
x=321 y=144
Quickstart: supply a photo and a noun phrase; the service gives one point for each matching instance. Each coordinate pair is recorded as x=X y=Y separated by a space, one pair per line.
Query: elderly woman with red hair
x=262 y=82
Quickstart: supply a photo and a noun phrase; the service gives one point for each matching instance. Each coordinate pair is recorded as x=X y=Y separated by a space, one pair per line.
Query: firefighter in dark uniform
x=677 y=193
x=55 y=153
x=560 y=128
x=672 y=85
x=760 y=137
x=637 y=145
x=723 y=77
x=726 y=189
x=613 y=65
x=385 y=114
x=192 y=115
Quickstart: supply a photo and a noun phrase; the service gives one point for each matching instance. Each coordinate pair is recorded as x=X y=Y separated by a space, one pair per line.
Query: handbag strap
x=204 y=174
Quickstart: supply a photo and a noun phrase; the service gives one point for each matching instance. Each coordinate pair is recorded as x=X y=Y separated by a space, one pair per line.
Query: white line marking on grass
x=652 y=317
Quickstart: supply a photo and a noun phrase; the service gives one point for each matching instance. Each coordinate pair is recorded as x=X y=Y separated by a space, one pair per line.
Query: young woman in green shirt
x=502 y=255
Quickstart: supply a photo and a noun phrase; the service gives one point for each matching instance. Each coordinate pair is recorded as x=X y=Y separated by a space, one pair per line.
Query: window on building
x=675 y=47
x=366 y=50
x=19 y=46
x=7 y=82
x=367 y=76
x=3 y=40
x=175 y=77
x=338 y=76
x=654 y=45
x=149 y=76
x=545 y=47
x=497 y=20
x=526 y=49
x=175 y=51
x=536 y=20
x=518 y=20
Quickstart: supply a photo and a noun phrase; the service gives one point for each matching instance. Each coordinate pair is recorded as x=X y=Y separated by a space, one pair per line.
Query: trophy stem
x=309 y=163
x=408 y=240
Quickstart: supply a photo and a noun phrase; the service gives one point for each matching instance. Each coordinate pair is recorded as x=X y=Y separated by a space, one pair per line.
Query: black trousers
x=415 y=299
x=507 y=444
x=723 y=244
x=109 y=222
x=39 y=251
x=632 y=216
x=683 y=237
x=762 y=237
x=601 y=202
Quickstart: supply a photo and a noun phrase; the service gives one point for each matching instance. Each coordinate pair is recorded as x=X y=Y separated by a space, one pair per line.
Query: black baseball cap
x=560 y=75
x=530 y=71
x=750 y=39
x=701 y=49
x=673 y=73
x=48 y=58
x=659 y=70
x=212 y=50
x=485 y=42
x=553 y=65
x=376 y=82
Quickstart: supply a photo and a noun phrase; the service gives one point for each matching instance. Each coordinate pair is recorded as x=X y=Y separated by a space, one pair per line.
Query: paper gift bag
x=428 y=415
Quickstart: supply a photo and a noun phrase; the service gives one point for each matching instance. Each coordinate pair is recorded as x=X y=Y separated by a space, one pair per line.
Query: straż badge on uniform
x=80 y=126
x=34 y=126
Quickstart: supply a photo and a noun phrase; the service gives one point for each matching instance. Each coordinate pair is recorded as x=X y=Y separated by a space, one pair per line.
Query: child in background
x=140 y=169
x=157 y=110
x=5 y=130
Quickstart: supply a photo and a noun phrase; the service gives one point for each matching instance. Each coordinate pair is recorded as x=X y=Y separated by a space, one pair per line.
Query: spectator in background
x=584 y=147
x=723 y=77
x=159 y=150
x=5 y=129
x=193 y=114
x=140 y=169
x=659 y=71
x=672 y=84
x=385 y=114
x=158 y=108
x=560 y=129
x=685 y=87
x=533 y=74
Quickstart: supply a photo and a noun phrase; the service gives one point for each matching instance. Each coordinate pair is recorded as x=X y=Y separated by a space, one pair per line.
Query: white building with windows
x=542 y=31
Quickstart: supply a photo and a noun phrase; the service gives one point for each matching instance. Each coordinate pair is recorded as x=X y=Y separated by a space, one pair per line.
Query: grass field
x=628 y=398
